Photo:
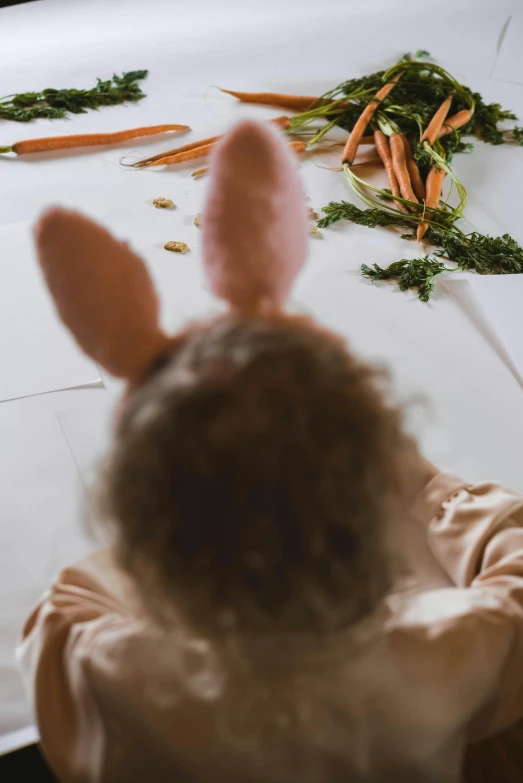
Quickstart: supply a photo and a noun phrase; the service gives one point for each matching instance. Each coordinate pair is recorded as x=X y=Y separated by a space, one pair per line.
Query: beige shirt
x=119 y=700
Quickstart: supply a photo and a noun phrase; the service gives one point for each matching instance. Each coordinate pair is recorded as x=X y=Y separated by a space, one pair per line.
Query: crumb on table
x=198 y=219
x=176 y=247
x=163 y=203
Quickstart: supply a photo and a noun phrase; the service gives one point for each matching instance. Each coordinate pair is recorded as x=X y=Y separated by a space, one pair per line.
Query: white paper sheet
x=16 y=740
x=501 y=297
x=40 y=532
x=509 y=63
x=36 y=352
x=87 y=430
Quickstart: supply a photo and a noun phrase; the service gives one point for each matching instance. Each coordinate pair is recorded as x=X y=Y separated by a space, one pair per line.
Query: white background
x=466 y=400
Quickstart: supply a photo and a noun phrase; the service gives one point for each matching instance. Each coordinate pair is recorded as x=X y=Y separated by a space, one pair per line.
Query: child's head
x=255 y=463
x=252 y=475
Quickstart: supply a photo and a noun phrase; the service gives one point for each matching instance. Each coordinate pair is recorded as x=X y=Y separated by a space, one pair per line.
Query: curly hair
x=252 y=474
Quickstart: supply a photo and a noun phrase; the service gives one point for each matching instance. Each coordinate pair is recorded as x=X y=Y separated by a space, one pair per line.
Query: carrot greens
x=55 y=104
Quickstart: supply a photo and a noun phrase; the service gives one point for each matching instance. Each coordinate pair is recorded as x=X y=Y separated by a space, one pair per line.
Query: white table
x=472 y=422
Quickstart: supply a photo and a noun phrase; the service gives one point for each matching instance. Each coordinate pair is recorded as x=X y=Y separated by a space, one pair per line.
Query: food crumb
x=313 y=215
x=314 y=230
x=176 y=247
x=163 y=203
x=198 y=219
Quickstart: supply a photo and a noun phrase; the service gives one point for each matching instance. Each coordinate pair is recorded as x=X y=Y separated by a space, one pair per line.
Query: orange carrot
x=195 y=152
x=293 y=102
x=455 y=122
x=365 y=117
x=281 y=122
x=383 y=147
x=435 y=179
x=297 y=146
x=169 y=153
x=412 y=167
x=434 y=126
x=89 y=139
x=399 y=163
x=205 y=149
x=199 y=173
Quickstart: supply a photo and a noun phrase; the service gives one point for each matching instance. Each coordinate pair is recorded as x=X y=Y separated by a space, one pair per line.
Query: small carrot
x=153 y=160
x=87 y=139
x=412 y=167
x=399 y=163
x=365 y=117
x=293 y=102
x=182 y=157
x=204 y=150
x=281 y=122
x=435 y=179
x=200 y=172
x=297 y=146
x=455 y=122
x=434 y=126
x=383 y=148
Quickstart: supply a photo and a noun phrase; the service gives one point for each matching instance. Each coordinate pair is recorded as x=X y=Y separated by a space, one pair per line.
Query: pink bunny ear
x=255 y=226
x=102 y=291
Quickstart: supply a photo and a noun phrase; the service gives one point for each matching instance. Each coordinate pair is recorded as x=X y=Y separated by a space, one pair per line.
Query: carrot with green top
x=435 y=125
x=383 y=148
x=399 y=163
x=50 y=143
x=353 y=142
x=435 y=179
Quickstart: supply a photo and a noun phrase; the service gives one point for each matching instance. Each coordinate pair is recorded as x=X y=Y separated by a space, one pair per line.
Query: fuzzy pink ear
x=102 y=291
x=255 y=226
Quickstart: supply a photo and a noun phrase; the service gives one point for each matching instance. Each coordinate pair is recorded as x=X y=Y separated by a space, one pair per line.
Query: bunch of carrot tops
x=418 y=115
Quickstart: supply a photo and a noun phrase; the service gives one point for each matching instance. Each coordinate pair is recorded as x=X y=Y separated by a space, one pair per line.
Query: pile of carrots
x=411 y=195
x=395 y=152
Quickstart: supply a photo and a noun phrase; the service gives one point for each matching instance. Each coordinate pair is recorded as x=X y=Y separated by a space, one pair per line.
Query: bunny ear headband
x=254 y=244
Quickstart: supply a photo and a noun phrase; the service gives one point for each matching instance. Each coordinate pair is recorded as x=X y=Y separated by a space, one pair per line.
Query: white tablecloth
x=465 y=402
